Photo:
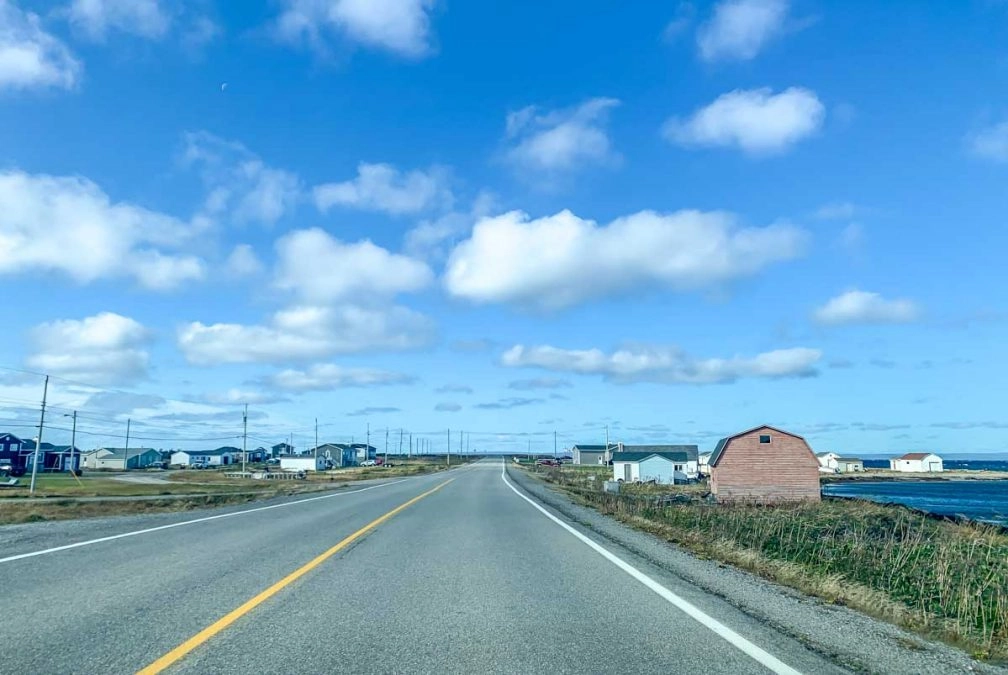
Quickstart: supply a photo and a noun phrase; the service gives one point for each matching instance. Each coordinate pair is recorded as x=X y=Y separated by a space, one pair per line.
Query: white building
x=115 y=458
x=304 y=463
x=661 y=467
x=917 y=462
x=219 y=457
x=703 y=464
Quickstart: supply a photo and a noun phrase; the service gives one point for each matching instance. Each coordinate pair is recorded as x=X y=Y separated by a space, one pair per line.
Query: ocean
x=951 y=464
x=982 y=500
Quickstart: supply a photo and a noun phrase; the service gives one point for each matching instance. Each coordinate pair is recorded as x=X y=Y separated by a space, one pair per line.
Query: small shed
x=588 y=454
x=304 y=463
x=660 y=467
x=764 y=465
x=849 y=465
x=917 y=462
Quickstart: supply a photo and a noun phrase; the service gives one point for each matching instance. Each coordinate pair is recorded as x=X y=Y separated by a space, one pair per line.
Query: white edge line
x=134 y=533
x=757 y=653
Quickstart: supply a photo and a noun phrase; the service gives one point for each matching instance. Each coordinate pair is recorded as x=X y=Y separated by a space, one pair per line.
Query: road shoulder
x=851 y=639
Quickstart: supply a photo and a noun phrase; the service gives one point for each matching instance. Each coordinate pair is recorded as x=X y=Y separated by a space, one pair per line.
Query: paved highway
x=458 y=572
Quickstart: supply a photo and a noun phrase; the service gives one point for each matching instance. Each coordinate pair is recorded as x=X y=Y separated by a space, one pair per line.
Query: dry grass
x=944 y=579
x=64 y=485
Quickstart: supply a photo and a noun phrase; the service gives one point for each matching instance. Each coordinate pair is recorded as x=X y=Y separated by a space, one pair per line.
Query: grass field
x=945 y=579
x=97 y=485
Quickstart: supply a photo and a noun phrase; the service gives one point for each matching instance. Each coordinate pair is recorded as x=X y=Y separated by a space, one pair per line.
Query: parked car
x=369 y=462
x=547 y=462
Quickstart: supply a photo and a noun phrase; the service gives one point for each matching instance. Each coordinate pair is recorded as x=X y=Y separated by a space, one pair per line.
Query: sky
x=664 y=221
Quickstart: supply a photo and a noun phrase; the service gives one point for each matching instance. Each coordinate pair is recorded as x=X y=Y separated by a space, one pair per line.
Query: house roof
x=30 y=445
x=691 y=450
x=641 y=456
x=212 y=453
x=719 y=448
x=916 y=455
x=590 y=448
x=118 y=453
x=9 y=437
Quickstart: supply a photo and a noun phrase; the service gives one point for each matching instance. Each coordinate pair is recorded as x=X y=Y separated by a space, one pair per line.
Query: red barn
x=764 y=465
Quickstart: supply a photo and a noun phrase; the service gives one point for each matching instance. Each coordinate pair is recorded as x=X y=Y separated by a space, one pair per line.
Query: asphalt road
x=469 y=578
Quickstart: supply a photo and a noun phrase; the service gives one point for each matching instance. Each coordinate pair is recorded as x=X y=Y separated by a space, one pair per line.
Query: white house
x=917 y=462
x=219 y=457
x=661 y=467
x=115 y=458
x=703 y=464
x=304 y=463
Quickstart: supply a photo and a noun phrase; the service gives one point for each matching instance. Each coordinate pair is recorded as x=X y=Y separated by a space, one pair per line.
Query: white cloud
x=67 y=224
x=863 y=307
x=561 y=140
x=103 y=349
x=561 y=260
x=201 y=31
x=433 y=239
x=664 y=364
x=29 y=56
x=739 y=29
x=852 y=236
x=236 y=396
x=755 y=120
x=320 y=268
x=243 y=262
x=305 y=333
x=837 y=211
x=96 y=18
x=991 y=143
x=684 y=16
x=325 y=376
x=240 y=184
x=539 y=383
x=398 y=26
x=382 y=187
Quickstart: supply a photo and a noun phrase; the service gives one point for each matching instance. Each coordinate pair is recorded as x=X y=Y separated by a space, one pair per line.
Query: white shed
x=303 y=463
x=632 y=467
x=917 y=462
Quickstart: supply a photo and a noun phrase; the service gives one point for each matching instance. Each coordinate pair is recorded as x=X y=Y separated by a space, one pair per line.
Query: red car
x=547 y=462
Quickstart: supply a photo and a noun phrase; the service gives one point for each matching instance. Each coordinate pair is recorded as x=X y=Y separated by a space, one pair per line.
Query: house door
x=626 y=472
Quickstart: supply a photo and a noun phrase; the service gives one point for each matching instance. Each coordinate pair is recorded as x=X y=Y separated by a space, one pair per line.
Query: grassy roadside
x=943 y=579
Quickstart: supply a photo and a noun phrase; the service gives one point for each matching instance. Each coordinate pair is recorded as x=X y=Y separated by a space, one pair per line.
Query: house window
x=678 y=467
x=764 y=439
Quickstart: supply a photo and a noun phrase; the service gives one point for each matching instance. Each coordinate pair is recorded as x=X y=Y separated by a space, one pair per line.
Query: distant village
x=764 y=464
x=17 y=456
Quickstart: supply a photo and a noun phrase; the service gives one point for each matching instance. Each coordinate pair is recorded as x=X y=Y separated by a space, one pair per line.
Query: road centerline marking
x=220 y=624
x=750 y=649
x=133 y=533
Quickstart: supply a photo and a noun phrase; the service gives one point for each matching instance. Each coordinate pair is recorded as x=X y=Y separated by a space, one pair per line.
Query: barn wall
x=783 y=470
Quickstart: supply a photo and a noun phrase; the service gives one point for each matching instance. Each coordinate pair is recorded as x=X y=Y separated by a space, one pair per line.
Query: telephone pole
x=126 y=450
x=73 y=442
x=367 y=446
x=554 y=444
x=400 y=441
x=38 y=441
x=449 y=448
x=316 y=442
x=244 y=436
x=411 y=445
x=386 y=445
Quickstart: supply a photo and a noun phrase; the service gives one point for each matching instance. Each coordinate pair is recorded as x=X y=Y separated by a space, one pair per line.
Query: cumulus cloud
x=236 y=396
x=240 y=185
x=433 y=238
x=991 y=143
x=857 y=306
x=243 y=262
x=304 y=333
x=508 y=403
x=382 y=187
x=317 y=267
x=454 y=388
x=664 y=364
x=447 y=407
x=539 y=383
x=103 y=349
x=398 y=26
x=30 y=57
x=326 y=376
x=96 y=18
x=757 y=121
x=44 y=218
x=544 y=262
x=561 y=140
x=739 y=29
x=366 y=412
x=837 y=211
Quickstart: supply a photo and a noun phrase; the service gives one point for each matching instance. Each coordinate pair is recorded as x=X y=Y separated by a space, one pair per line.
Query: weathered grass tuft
x=942 y=578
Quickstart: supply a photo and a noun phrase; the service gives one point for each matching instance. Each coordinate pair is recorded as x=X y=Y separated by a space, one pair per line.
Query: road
x=458 y=572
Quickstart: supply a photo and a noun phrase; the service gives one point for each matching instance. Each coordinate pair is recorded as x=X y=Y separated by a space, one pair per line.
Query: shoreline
x=889 y=475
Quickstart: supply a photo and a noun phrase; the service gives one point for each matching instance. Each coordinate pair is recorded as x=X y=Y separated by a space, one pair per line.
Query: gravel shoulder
x=851 y=639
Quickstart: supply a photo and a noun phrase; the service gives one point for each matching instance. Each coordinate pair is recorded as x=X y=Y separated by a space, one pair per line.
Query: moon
x=223 y=86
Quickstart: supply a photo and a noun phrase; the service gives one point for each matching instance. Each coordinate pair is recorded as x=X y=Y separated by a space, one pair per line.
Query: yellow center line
x=220 y=624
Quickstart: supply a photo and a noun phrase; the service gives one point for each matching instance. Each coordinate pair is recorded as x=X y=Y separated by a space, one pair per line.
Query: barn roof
x=719 y=448
x=916 y=455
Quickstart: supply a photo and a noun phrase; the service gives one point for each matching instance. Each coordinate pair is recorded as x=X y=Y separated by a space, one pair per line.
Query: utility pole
x=605 y=455
x=468 y=439
x=73 y=441
x=386 y=445
x=126 y=449
x=411 y=445
x=461 y=434
x=38 y=441
x=244 y=436
x=530 y=448
x=316 y=442
x=367 y=446
x=554 y=444
x=449 y=448
x=400 y=441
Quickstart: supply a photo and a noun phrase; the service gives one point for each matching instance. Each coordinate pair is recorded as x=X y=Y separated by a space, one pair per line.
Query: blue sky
x=676 y=219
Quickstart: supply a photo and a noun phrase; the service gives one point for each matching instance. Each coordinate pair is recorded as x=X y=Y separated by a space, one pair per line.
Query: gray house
x=115 y=458
x=686 y=464
x=589 y=454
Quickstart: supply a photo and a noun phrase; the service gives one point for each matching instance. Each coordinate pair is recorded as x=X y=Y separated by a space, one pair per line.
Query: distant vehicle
x=273 y=460
x=369 y=462
x=547 y=462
